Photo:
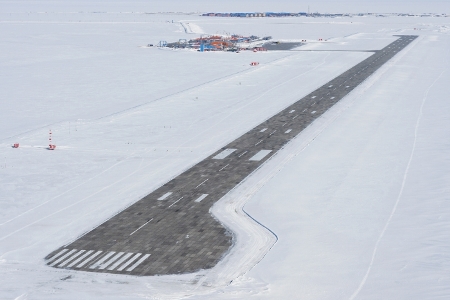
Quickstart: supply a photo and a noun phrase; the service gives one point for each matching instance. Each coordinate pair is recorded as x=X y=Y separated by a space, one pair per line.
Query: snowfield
x=355 y=207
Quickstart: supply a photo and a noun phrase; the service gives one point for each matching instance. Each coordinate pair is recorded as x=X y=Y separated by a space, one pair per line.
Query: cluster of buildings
x=315 y=15
x=255 y=14
x=219 y=43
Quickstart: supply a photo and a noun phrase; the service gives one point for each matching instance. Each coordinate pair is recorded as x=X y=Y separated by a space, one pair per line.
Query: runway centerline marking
x=202 y=182
x=175 y=202
x=224 y=167
x=141 y=226
x=242 y=153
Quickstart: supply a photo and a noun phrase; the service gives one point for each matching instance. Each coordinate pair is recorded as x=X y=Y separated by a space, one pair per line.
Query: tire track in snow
x=405 y=176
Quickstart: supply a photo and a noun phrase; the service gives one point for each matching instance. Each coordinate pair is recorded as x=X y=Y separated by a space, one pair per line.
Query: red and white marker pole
x=50 y=145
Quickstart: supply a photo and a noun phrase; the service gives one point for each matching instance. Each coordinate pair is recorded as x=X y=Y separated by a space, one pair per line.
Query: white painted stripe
x=129 y=261
x=289 y=130
x=330 y=86
x=304 y=110
x=89 y=259
x=141 y=226
x=313 y=112
x=243 y=153
x=224 y=167
x=313 y=97
x=138 y=263
x=80 y=259
x=332 y=97
x=292 y=111
x=63 y=257
x=294 y=117
x=258 y=143
x=105 y=264
x=264 y=129
x=273 y=132
x=224 y=153
x=202 y=183
x=101 y=260
x=165 y=196
x=175 y=202
x=121 y=260
x=58 y=254
x=201 y=197
x=260 y=155
x=70 y=258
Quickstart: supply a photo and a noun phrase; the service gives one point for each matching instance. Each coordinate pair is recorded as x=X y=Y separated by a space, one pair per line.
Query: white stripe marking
x=224 y=167
x=313 y=112
x=120 y=261
x=70 y=258
x=292 y=111
x=294 y=117
x=80 y=258
x=138 y=262
x=224 y=153
x=331 y=86
x=129 y=261
x=57 y=254
x=175 y=202
x=260 y=155
x=313 y=97
x=202 y=183
x=201 y=197
x=89 y=259
x=243 y=153
x=289 y=130
x=332 y=97
x=262 y=130
x=273 y=132
x=141 y=226
x=63 y=257
x=104 y=265
x=101 y=260
x=258 y=143
x=165 y=196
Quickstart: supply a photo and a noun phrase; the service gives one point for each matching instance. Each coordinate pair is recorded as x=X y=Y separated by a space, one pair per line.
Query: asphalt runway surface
x=171 y=231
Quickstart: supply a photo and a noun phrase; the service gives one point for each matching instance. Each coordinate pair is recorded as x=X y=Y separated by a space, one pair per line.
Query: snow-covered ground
x=354 y=208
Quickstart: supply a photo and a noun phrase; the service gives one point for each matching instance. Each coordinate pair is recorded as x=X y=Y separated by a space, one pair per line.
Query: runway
x=171 y=231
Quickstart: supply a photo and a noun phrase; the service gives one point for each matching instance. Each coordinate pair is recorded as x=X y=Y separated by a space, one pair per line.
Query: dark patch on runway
x=274 y=46
x=177 y=234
